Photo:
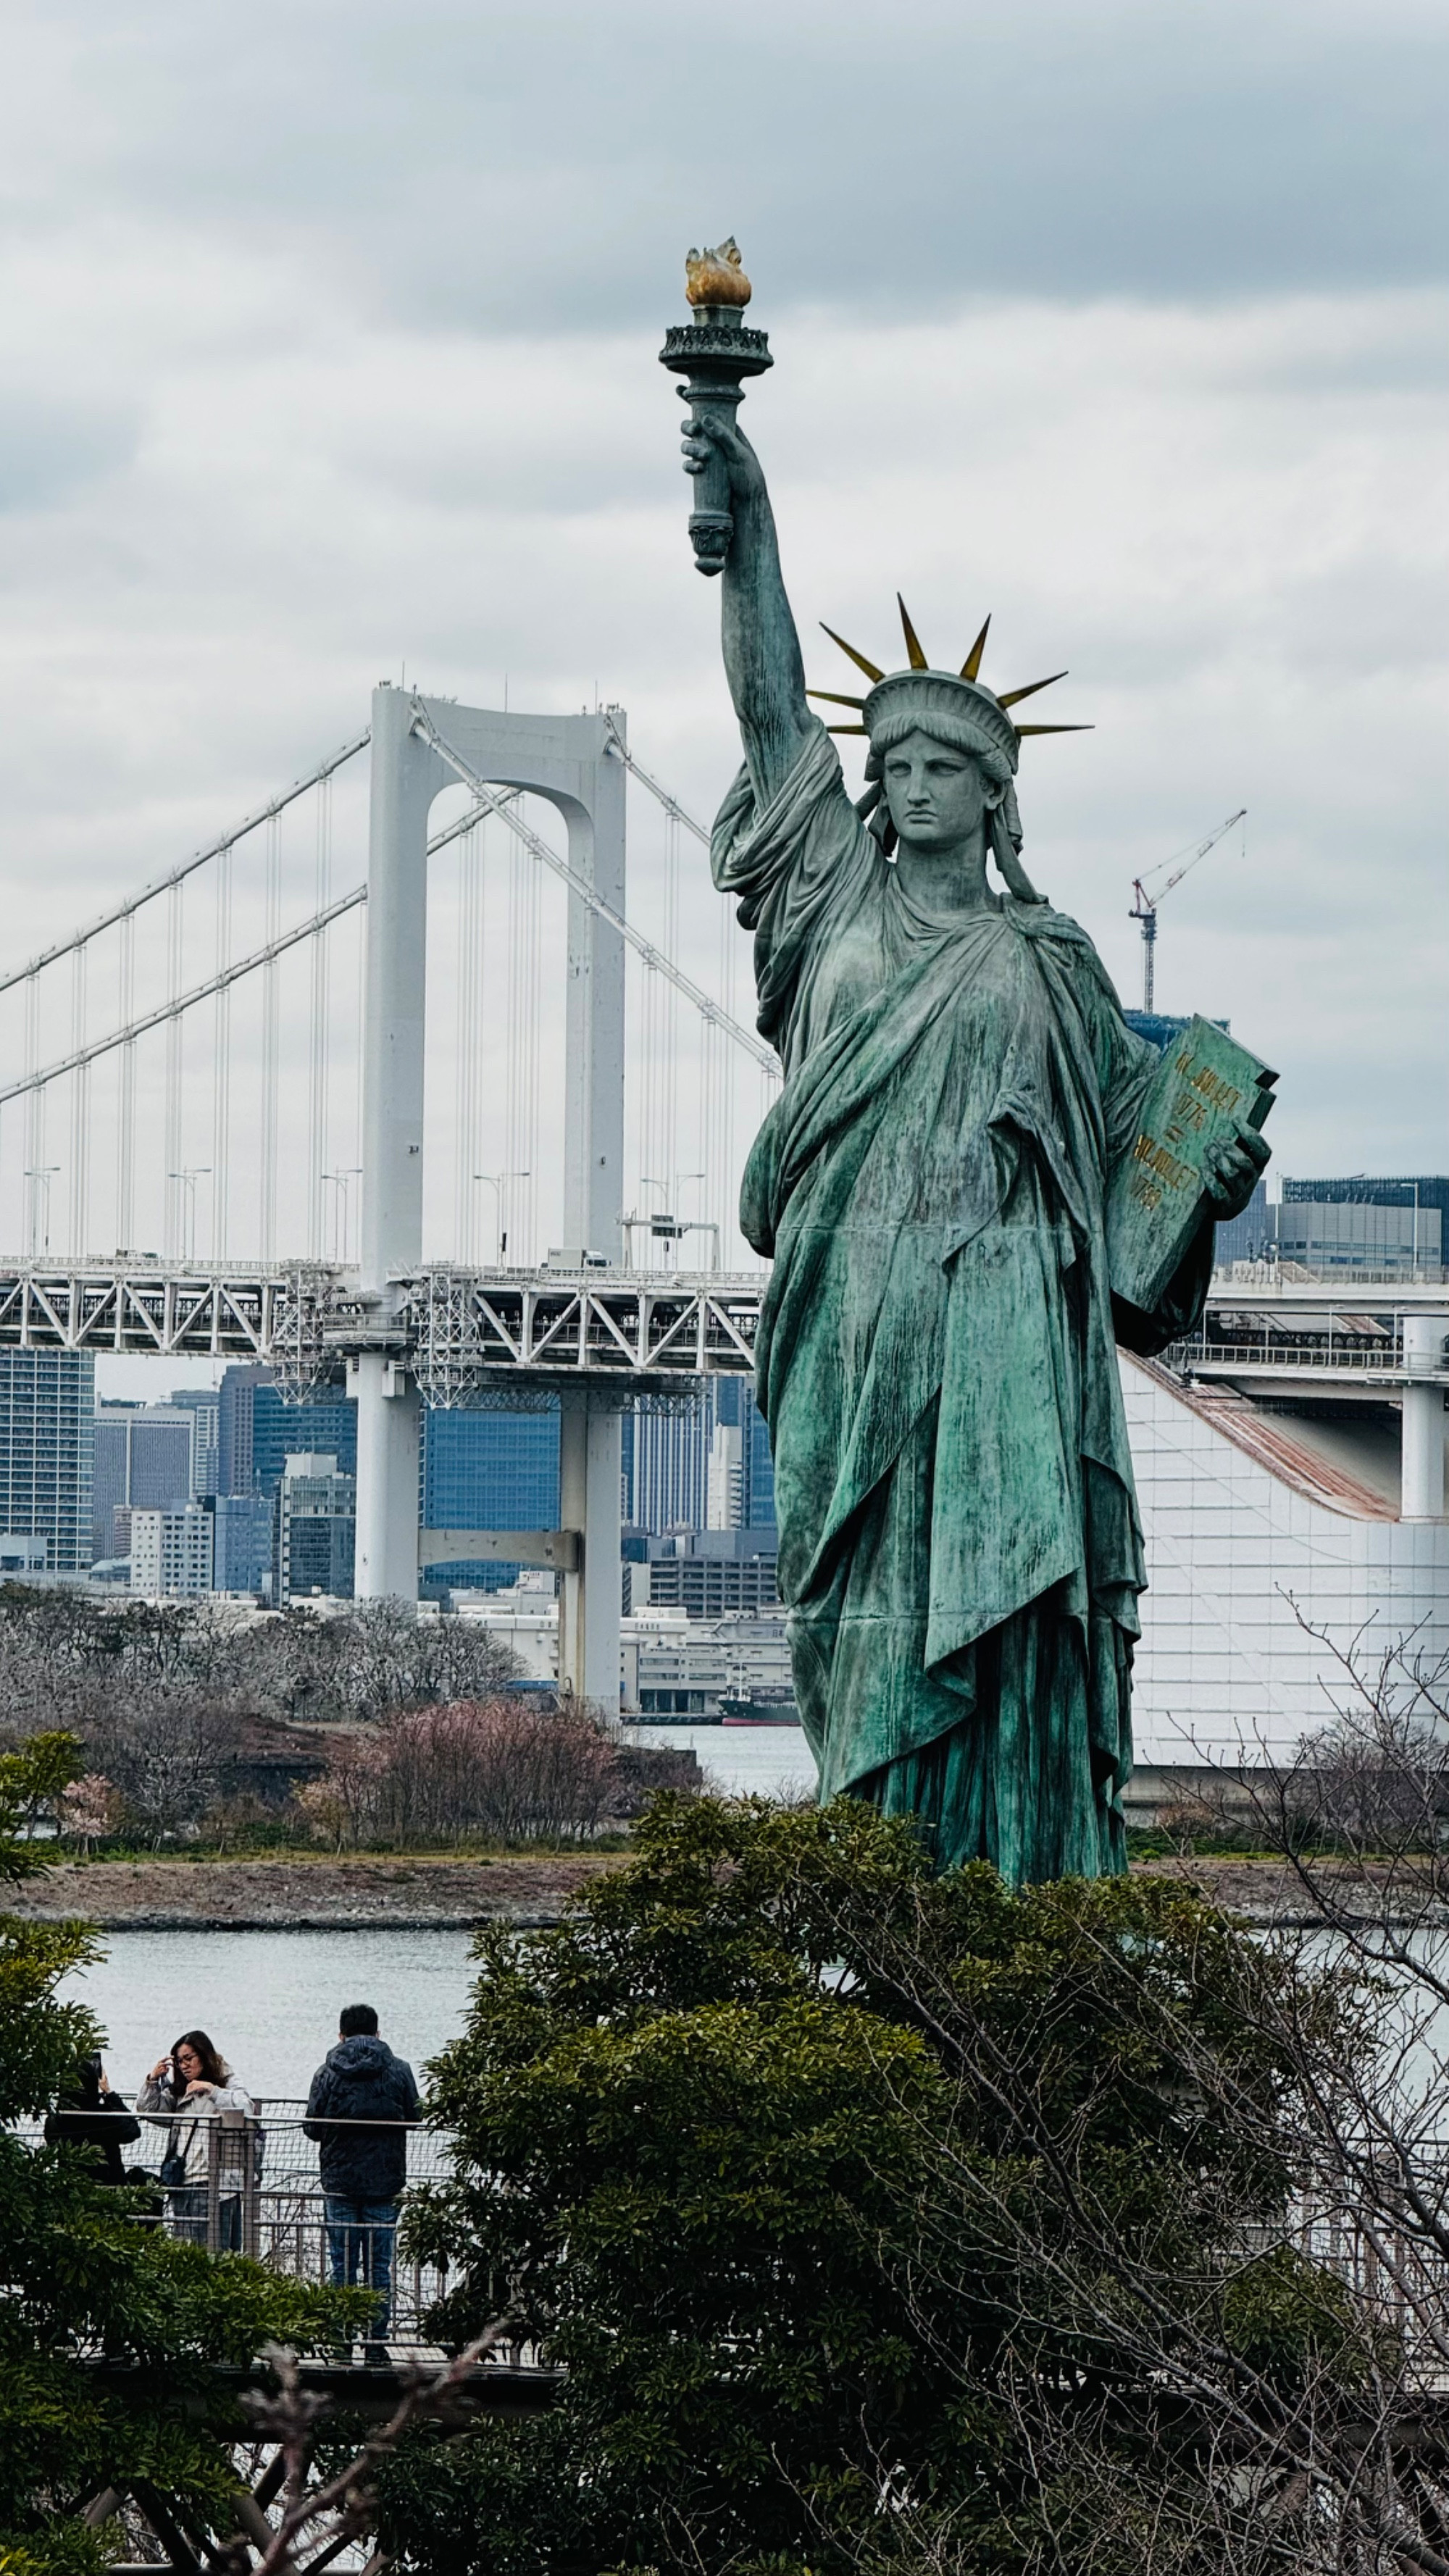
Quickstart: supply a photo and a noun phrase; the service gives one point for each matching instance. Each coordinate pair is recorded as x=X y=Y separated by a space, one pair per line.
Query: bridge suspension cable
x=661 y=795
x=494 y=803
x=176 y=1005
x=173 y=1009
x=199 y=859
x=175 y=1129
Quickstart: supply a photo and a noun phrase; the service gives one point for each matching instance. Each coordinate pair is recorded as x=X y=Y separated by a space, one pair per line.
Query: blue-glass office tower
x=242 y=1542
x=732 y=1400
x=500 y=1470
x=487 y=1471
x=666 y=1458
x=257 y=1432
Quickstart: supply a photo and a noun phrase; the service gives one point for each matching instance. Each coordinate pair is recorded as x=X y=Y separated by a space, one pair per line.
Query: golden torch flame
x=716 y=276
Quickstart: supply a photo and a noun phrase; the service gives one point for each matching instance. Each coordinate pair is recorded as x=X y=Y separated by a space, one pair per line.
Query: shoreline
x=441 y=1892
x=294 y=1892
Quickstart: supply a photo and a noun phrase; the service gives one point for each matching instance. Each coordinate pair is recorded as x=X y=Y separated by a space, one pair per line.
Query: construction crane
x=1145 y=907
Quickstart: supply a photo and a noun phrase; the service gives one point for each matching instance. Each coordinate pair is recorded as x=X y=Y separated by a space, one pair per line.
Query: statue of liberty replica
x=959 y=1546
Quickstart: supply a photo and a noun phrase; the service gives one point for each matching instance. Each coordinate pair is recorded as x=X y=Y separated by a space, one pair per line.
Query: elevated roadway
x=466 y=1334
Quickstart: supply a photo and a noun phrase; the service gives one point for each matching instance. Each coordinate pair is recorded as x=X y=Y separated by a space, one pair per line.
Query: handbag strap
x=172 y=2148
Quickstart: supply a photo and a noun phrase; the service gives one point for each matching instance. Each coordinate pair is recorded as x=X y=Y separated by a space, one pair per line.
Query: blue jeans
x=188 y=2217
x=360 y=2236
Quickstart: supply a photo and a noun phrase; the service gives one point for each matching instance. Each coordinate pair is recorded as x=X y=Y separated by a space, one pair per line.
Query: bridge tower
x=574 y=762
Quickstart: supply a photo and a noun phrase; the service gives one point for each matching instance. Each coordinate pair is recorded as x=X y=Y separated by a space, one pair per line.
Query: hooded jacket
x=361 y=2082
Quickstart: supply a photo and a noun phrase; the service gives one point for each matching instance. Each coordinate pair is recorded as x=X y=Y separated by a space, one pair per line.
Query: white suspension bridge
x=261 y=1073
x=286 y=1105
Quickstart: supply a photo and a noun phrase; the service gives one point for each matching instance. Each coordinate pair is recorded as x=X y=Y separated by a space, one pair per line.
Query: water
x=270 y=2000
x=743 y=1761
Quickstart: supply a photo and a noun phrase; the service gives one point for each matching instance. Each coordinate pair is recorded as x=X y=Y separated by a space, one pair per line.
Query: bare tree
x=164 y=1695
x=496 y=1769
x=1167 y=2435
x=317 y=2517
x=164 y=1752
x=1325 y=2448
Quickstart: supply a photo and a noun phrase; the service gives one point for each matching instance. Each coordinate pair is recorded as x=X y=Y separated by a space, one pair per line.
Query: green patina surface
x=959 y=1542
x=958 y=1535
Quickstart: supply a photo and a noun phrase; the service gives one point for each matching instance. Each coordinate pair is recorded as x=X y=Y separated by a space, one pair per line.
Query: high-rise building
x=668 y=1450
x=257 y=1432
x=316 y=1528
x=204 y=1406
x=1393 y=1223
x=487 y=1471
x=732 y=1401
x=171 y=1552
x=707 y=1572
x=143 y=1462
x=47 y=1452
x=666 y=1463
x=242 y=1543
x=723 y=1502
x=499 y=1471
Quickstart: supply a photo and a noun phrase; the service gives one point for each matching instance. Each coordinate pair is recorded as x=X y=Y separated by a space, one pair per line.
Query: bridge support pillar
x=1422 y=1490
x=590 y=1459
x=572 y=761
x=387 y=1478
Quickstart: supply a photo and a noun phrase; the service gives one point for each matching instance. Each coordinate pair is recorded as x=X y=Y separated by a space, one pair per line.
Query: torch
x=715 y=352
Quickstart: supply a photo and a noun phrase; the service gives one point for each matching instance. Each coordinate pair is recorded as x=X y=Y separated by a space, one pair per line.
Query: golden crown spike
x=917 y=660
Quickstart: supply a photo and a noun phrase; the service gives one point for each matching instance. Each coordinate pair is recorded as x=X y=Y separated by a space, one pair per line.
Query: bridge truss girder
x=468 y=1337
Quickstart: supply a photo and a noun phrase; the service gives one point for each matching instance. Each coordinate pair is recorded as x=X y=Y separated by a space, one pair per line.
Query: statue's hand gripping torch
x=715 y=353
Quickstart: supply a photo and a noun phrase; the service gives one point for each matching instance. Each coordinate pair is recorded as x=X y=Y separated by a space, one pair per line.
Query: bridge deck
x=471 y=1335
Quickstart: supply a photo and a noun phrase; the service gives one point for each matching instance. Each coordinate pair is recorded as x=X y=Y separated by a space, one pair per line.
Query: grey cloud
x=342 y=261
x=545 y=167
x=48 y=450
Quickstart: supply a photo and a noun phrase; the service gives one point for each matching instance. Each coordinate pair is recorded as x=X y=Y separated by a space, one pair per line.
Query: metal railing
x=254 y=2186
x=1324 y=1356
x=261 y=2194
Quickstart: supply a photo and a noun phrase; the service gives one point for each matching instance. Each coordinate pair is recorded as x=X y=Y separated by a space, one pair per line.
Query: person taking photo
x=191 y=2087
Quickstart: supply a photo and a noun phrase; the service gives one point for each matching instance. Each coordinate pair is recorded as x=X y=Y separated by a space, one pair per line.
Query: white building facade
x=1255 y=1540
x=171 y=1553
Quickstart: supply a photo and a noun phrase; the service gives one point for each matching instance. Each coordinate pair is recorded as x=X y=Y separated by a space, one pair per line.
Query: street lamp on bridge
x=495 y=1181
x=40 y=1176
x=188 y=1180
x=663 y=1225
x=342 y=1182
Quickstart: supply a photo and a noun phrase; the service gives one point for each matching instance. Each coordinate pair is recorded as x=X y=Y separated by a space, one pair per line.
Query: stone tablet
x=1206 y=1086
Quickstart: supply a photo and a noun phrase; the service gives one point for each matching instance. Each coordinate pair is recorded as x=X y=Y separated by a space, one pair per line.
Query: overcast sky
x=331 y=348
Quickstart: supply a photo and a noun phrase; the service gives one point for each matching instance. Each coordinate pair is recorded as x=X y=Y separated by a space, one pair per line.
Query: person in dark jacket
x=90 y=2116
x=362 y=2103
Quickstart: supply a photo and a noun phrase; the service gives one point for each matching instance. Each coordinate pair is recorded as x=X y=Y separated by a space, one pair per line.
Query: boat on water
x=758 y=1708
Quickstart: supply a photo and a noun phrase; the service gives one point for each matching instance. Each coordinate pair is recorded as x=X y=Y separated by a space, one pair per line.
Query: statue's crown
x=922 y=691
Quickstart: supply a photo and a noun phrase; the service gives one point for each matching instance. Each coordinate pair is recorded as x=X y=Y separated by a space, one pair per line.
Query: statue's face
x=938 y=797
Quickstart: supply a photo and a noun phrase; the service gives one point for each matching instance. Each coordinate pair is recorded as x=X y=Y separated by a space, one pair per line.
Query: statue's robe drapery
x=960 y=1551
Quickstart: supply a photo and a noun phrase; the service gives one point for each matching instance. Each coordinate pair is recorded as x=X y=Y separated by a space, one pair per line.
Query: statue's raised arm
x=762 y=657
x=732 y=525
